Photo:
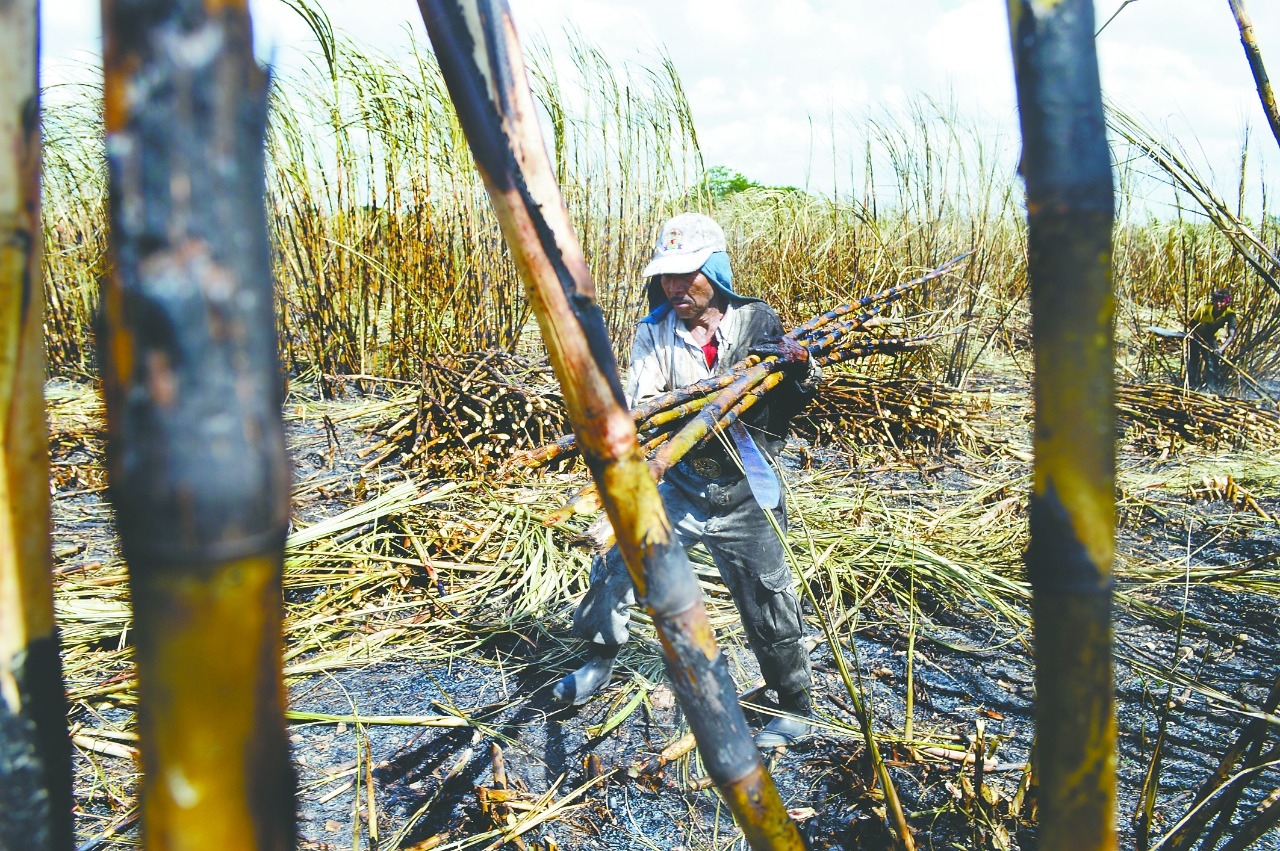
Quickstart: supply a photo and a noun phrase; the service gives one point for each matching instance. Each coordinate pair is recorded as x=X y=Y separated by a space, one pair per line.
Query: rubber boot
x=576 y=689
x=784 y=731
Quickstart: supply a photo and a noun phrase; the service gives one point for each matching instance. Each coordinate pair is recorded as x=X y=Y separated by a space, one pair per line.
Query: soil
x=973 y=686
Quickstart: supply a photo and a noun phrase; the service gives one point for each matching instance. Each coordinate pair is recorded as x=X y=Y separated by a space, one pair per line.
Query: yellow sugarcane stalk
x=678 y=412
x=197 y=469
x=1067 y=167
x=479 y=54
x=35 y=754
x=1253 y=54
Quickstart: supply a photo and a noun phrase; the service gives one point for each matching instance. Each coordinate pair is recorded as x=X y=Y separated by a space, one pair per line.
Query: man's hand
x=791 y=354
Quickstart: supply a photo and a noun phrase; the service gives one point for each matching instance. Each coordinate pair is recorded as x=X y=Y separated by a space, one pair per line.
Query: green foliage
x=719 y=182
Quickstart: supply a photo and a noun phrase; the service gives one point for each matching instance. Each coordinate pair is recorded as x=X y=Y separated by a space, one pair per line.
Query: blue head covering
x=718 y=272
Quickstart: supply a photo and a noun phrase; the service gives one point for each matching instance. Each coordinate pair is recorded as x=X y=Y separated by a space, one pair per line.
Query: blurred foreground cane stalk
x=480 y=57
x=1067 y=168
x=195 y=449
x=35 y=756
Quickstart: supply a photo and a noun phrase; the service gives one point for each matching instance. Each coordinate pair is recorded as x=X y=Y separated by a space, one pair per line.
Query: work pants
x=723 y=516
x=1204 y=364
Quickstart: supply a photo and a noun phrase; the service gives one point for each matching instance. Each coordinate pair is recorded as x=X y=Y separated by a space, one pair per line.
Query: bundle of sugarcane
x=1158 y=416
x=473 y=411
x=673 y=424
x=855 y=411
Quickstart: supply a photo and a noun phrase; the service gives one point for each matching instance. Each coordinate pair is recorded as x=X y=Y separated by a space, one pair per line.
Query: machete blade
x=760 y=475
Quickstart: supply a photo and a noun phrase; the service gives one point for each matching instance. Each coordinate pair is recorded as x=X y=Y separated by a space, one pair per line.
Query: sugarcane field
x=426 y=443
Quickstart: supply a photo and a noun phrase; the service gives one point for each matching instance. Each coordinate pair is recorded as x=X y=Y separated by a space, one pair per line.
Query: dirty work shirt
x=1205 y=324
x=720 y=513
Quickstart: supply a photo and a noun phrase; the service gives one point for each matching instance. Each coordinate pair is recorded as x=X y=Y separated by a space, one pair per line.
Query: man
x=699 y=327
x=1204 y=360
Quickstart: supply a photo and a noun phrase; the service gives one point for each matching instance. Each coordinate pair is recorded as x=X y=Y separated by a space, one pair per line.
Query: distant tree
x=721 y=181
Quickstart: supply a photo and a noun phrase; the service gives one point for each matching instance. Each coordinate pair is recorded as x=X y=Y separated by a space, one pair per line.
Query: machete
x=761 y=477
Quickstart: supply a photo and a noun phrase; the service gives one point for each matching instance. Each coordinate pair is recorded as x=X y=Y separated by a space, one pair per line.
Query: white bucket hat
x=684 y=245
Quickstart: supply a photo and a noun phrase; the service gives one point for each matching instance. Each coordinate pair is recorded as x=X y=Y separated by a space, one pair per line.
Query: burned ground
x=425 y=630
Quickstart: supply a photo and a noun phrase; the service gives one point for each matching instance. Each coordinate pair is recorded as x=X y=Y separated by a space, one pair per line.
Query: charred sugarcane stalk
x=893 y=293
x=1067 y=167
x=884 y=346
x=195 y=444
x=1220 y=786
x=480 y=57
x=35 y=755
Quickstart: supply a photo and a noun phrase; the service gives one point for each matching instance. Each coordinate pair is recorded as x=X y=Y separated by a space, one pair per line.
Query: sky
x=769 y=82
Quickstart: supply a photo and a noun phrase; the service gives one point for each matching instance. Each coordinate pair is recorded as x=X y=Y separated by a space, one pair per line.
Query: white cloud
x=968 y=47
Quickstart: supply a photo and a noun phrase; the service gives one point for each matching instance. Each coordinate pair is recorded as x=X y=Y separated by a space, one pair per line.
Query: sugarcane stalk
x=670 y=415
x=890 y=294
x=885 y=346
x=650 y=414
x=480 y=58
x=1244 y=835
x=35 y=754
x=198 y=475
x=1067 y=168
x=748 y=400
x=667 y=447
x=833 y=335
x=665 y=415
x=670 y=407
x=1253 y=53
x=721 y=427
x=673 y=398
x=561 y=447
x=731 y=409
x=586 y=500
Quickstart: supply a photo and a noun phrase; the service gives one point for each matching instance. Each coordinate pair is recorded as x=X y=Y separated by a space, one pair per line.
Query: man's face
x=689 y=294
x=1220 y=304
